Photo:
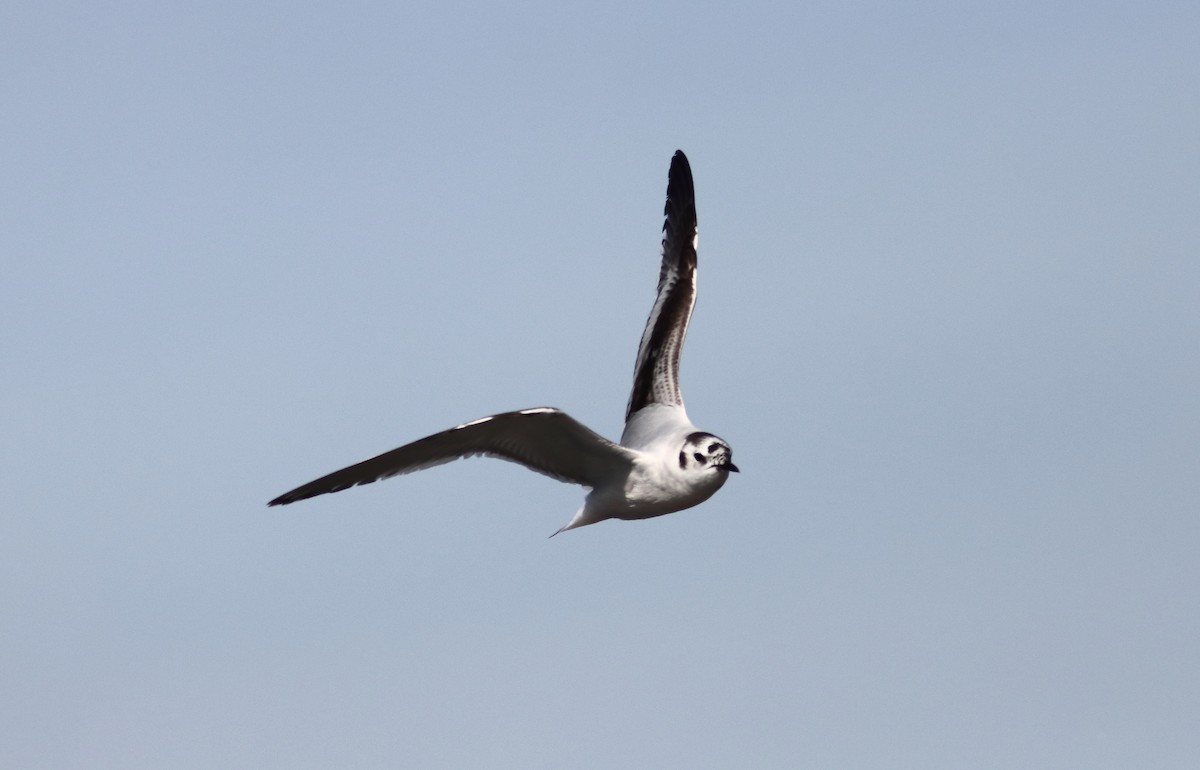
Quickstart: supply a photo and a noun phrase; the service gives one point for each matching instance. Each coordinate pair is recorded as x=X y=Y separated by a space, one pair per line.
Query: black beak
x=731 y=467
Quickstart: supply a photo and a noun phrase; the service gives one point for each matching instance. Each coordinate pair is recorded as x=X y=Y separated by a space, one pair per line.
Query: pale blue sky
x=948 y=319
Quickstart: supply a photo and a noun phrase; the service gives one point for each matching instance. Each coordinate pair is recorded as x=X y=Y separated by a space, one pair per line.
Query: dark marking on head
x=700 y=458
x=682 y=459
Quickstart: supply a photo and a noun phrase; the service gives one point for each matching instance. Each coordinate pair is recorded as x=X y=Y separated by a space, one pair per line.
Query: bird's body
x=663 y=463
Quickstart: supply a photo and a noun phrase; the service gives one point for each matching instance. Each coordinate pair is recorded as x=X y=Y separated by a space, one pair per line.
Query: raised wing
x=656 y=373
x=545 y=440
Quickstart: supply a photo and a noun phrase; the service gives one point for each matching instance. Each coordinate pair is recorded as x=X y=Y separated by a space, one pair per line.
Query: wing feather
x=656 y=372
x=544 y=439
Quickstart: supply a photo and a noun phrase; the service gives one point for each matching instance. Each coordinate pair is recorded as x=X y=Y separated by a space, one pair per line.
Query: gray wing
x=545 y=440
x=656 y=372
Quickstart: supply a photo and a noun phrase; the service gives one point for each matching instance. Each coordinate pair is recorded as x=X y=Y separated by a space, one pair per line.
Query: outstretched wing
x=545 y=440
x=656 y=373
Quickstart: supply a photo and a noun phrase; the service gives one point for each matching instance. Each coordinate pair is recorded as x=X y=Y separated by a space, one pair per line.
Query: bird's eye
x=699 y=458
x=712 y=448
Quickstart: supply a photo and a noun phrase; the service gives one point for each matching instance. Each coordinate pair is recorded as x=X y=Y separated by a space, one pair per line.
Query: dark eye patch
x=699 y=458
x=712 y=448
x=682 y=459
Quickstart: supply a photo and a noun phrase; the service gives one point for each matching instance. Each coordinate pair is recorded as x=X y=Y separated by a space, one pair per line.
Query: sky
x=948 y=310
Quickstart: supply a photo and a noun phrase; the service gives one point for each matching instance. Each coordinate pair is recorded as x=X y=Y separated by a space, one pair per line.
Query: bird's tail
x=581 y=518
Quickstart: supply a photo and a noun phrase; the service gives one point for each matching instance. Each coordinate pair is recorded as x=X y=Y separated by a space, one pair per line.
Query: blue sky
x=947 y=319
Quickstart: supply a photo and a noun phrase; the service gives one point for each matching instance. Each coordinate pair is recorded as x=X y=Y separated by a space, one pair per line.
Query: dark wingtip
x=681 y=194
x=679 y=178
x=287 y=498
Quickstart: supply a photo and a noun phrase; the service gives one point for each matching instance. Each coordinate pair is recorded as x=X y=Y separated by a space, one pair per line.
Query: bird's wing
x=545 y=440
x=656 y=373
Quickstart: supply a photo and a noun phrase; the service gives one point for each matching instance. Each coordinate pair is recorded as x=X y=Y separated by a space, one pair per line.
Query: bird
x=663 y=463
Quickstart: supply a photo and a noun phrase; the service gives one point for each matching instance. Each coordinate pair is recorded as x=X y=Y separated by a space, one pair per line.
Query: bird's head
x=704 y=452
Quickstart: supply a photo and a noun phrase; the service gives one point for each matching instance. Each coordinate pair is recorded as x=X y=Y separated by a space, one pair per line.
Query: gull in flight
x=663 y=463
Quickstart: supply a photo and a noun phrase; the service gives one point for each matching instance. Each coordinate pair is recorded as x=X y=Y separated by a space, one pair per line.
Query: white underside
x=656 y=485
